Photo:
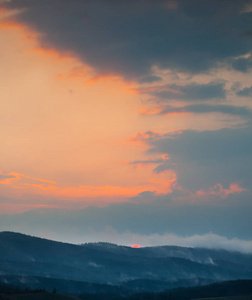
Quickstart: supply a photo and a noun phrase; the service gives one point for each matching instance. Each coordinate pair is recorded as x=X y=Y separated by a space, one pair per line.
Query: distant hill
x=98 y=267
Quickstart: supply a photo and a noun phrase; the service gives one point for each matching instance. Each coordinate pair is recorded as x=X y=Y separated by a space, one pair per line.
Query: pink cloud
x=218 y=191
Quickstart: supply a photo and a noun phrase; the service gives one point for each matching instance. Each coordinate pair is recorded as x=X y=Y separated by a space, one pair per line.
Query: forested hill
x=34 y=261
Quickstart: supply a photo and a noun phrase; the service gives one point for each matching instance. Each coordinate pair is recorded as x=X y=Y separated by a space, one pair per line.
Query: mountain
x=103 y=267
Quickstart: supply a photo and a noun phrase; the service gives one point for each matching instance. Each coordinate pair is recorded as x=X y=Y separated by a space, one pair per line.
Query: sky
x=127 y=121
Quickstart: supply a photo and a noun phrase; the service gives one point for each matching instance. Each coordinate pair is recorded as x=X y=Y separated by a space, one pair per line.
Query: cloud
x=247 y=8
x=149 y=79
x=2 y=176
x=146 y=137
x=6 y=14
x=232 y=110
x=163 y=164
x=6 y=178
x=246 y=92
x=212 y=145
x=190 y=92
x=242 y=64
x=219 y=191
x=205 y=157
x=209 y=240
x=17 y=181
x=115 y=191
x=23 y=186
x=129 y=38
x=137 y=163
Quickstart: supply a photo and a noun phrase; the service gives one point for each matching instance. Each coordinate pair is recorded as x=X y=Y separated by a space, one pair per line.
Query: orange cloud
x=9 y=24
x=158 y=186
x=52 y=53
x=101 y=77
x=149 y=111
x=142 y=137
x=7 y=178
x=41 y=186
x=165 y=156
x=77 y=72
x=19 y=181
x=210 y=195
x=22 y=185
x=30 y=35
x=219 y=191
x=81 y=71
x=31 y=40
x=165 y=186
x=19 y=176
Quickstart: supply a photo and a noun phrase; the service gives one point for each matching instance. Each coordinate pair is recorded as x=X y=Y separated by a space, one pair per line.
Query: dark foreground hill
x=227 y=290
x=82 y=287
x=230 y=290
x=106 y=268
x=37 y=296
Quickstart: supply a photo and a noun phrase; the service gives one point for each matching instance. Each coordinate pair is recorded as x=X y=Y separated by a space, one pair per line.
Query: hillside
x=37 y=296
x=106 y=268
x=230 y=290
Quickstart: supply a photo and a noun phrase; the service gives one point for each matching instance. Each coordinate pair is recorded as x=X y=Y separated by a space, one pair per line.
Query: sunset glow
x=114 y=106
x=135 y=246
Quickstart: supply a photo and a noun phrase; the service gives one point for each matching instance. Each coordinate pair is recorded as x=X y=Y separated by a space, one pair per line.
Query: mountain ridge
x=124 y=262
x=114 y=269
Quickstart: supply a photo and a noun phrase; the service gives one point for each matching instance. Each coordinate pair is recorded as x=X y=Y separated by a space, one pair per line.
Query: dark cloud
x=191 y=92
x=207 y=157
x=146 y=197
x=163 y=164
x=242 y=64
x=129 y=37
x=146 y=194
x=241 y=111
x=248 y=33
x=166 y=165
x=246 y=92
x=149 y=79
